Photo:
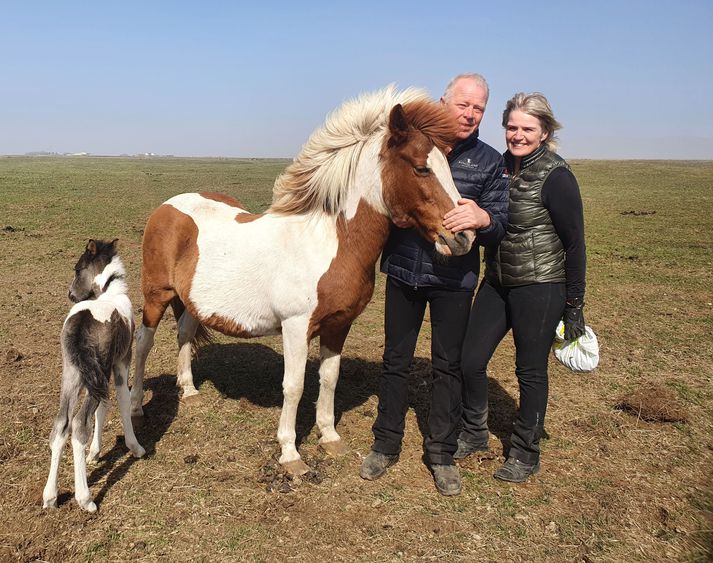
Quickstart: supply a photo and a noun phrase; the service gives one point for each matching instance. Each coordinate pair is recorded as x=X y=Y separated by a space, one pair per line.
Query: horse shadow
x=254 y=372
x=161 y=409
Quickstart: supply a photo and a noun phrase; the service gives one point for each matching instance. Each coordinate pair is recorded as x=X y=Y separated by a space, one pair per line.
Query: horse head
x=418 y=188
x=89 y=283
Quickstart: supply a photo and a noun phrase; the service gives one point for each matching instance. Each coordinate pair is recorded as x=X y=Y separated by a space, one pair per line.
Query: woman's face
x=523 y=133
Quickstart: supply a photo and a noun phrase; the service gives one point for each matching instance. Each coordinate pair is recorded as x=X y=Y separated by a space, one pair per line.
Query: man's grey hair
x=466 y=76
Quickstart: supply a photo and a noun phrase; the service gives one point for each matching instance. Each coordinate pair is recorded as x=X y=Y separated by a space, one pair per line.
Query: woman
x=535 y=278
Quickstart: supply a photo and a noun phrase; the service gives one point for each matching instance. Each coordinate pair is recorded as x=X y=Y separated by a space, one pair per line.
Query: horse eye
x=422 y=170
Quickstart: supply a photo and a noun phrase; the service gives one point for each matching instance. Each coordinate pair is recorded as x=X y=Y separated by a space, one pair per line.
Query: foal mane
x=320 y=177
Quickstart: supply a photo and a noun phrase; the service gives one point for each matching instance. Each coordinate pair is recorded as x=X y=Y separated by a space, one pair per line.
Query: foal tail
x=203 y=336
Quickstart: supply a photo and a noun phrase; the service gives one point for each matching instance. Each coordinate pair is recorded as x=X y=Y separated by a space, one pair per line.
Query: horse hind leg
x=187 y=328
x=80 y=438
x=96 y=445
x=60 y=432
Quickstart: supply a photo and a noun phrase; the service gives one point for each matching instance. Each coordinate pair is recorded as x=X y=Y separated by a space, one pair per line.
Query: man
x=415 y=279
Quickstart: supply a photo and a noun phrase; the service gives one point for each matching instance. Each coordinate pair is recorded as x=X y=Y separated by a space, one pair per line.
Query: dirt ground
x=614 y=486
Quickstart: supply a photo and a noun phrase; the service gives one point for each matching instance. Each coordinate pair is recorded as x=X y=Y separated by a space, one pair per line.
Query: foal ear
x=398 y=126
x=91 y=247
x=115 y=245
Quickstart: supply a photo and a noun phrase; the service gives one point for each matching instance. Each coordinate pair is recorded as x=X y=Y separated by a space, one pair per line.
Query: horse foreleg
x=121 y=374
x=328 y=376
x=96 y=445
x=295 y=348
x=144 y=343
x=187 y=327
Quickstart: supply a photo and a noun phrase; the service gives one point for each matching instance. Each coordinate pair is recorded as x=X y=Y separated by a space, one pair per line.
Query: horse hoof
x=92 y=458
x=335 y=448
x=296 y=467
x=89 y=506
x=191 y=398
x=137 y=451
x=50 y=503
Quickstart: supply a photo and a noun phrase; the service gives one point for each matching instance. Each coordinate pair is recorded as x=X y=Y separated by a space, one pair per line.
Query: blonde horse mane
x=322 y=174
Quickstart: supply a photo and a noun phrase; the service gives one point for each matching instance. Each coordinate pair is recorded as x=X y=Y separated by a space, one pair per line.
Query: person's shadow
x=502 y=408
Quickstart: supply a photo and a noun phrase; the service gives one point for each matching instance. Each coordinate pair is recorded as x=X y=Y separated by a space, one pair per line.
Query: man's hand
x=468 y=215
x=573 y=319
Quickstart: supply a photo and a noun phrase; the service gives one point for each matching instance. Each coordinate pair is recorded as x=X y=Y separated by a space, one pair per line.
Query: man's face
x=467 y=105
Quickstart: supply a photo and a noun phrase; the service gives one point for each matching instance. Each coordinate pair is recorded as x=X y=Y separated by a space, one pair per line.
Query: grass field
x=614 y=486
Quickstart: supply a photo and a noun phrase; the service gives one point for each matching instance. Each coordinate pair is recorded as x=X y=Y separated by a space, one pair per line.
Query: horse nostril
x=461 y=238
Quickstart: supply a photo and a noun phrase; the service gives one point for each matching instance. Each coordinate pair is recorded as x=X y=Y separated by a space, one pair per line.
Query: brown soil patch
x=654 y=404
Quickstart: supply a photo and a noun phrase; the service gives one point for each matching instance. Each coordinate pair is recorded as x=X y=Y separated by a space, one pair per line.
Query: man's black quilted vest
x=531 y=251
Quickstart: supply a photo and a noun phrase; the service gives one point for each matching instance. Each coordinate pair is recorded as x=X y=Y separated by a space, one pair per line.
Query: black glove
x=573 y=318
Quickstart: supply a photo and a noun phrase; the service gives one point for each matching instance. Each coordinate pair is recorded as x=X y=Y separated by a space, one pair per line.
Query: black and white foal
x=96 y=341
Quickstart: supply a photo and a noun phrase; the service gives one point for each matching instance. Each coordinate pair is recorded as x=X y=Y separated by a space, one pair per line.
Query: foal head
x=418 y=188
x=88 y=282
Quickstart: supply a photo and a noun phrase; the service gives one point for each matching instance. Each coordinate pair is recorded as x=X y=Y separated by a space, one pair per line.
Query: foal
x=96 y=341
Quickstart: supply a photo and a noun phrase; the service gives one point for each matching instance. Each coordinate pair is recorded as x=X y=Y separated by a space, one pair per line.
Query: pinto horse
x=305 y=267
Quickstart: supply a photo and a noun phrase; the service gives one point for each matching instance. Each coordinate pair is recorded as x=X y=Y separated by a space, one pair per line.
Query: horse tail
x=203 y=336
x=82 y=348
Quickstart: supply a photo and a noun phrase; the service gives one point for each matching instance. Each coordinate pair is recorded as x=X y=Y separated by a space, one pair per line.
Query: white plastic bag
x=581 y=354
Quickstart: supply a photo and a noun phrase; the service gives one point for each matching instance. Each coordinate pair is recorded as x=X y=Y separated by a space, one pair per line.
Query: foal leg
x=96 y=445
x=60 y=433
x=187 y=327
x=80 y=437
x=328 y=376
x=295 y=348
x=121 y=374
x=144 y=343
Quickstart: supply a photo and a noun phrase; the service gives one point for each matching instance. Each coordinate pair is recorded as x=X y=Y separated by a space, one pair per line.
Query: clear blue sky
x=628 y=79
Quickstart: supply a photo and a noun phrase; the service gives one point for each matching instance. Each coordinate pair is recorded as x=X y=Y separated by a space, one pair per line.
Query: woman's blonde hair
x=536 y=105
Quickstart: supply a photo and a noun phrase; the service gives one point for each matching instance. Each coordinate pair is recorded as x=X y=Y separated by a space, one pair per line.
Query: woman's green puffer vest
x=531 y=251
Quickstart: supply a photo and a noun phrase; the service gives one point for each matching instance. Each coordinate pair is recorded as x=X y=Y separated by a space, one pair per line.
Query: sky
x=627 y=79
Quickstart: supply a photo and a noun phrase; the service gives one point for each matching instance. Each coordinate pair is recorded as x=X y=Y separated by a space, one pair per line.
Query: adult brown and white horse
x=305 y=267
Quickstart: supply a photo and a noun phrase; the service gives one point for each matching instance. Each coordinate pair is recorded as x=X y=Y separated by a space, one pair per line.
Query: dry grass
x=614 y=486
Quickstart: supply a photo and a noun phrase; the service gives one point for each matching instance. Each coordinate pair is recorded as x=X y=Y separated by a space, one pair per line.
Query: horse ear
x=91 y=247
x=398 y=126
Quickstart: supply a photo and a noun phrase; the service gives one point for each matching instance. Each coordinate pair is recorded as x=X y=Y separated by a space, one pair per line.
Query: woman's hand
x=573 y=319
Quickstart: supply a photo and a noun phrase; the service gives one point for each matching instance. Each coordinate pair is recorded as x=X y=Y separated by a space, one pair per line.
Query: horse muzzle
x=457 y=244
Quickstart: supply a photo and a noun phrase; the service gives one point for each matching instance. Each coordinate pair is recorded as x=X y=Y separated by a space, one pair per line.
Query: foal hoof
x=87 y=505
x=296 y=467
x=336 y=448
x=137 y=451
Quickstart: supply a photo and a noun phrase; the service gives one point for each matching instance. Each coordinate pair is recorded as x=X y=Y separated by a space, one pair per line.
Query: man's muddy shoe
x=466 y=448
x=515 y=471
x=447 y=479
x=375 y=465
